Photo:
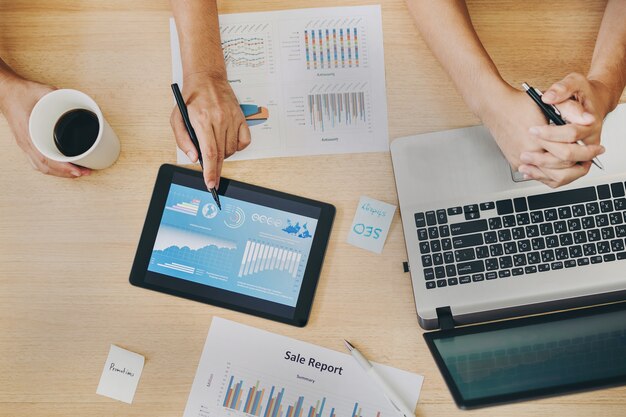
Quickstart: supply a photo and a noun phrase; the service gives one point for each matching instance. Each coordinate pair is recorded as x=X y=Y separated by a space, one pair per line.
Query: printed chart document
x=245 y=371
x=317 y=77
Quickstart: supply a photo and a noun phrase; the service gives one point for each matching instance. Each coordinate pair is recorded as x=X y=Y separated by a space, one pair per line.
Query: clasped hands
x=550 y=153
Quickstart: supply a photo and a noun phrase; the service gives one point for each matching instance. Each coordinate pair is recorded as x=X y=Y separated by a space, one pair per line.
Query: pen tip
x=348 y=345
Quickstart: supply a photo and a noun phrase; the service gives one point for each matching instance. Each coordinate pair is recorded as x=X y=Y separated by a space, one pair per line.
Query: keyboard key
x=446 y=244
x=547 y=256
x=546 y=229
x=505 y=262
x=422 y=234
x=491 y=275
x=552 y=241
x=556 y=265
x=465 y=279
x=589 y=249
x=430 y=285
x=543 y=268
x=565 y=212
x=519 y=260
x=533 y=258
x=570 y=263
x=575 y=251
x=588 y=222
x=478 y=277
x=550 y=215
x=448 y=257
x=617 y=189
x=582 y=261
x=453 y=281
x=450 y=271
x=431 y=218
x=561 y=253
x=517 y=271
x=538 y=243
x=620 y=204
x=504 y=274
x=603 y=247
x=442 y=218
x=573 y=225
x=524 y=245
x=606 y=206
x=621 y=256
x=463 y=255
x=491 y=264
x=593 y=235
x=532 y=231
x=441 y=283
x=560 y=227
x=472 y=215
x=520 y=204
x=424 y=247
x=468 y=227
x=490 y=237
x=452 y=211
x=504 y=207
x=466 y=241
x=470 y=208
x=607 y=233
x=433 y=232
x=609 y=257
x=440 y=272
x=530 y=269
x=429 y=273
x=518 y=233
x=504 y=235
x=617 y=245
x=471 y=267
x=438 y=259
x=495 y=223
x=602 y=220
x=578 y=210
x=488 y=206
x=427 y=260
x=592 y=208
x=482 y=252
x=508 y=221
x=536 y=217
x=522 y=219
x=562 y=198
x=596 y=259
x=580 y=237
x=616 y=218
x=604 y=192
x=620 y=231
x=496 y=250
x=435 y=245
x=566 y=239
x=510 y=247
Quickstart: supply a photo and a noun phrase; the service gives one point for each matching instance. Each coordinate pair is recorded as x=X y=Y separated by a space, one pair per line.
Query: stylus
x=192 y=134
x=391 y=395
x=553 y=114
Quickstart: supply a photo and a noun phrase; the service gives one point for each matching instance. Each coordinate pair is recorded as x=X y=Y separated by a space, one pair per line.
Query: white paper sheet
x=334 y=101
x=244 y=370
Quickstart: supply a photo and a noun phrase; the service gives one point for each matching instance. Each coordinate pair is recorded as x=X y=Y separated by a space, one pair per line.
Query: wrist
x=10 y=84
x=489 y=98
x=608 y=93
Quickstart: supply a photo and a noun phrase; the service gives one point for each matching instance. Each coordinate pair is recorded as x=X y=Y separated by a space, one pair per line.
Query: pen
x=393 y=398
x=192 y=134
x=553 y=114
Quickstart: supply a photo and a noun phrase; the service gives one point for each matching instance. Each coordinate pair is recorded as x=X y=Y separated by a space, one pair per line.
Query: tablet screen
x=256 y=246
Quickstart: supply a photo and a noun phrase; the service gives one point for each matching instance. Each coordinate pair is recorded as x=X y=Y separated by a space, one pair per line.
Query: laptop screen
x=537 y=356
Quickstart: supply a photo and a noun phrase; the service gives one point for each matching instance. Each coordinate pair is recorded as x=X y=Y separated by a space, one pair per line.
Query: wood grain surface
x=66 y=246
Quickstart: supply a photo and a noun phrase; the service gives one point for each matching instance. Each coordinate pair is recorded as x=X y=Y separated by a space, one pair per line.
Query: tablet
x=533 y=357
x=261 y=254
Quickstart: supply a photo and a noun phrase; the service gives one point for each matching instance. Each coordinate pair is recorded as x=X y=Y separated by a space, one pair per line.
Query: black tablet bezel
x=194 y=291
x=462 y=403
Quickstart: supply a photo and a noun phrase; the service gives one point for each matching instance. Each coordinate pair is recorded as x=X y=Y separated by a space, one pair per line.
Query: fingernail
x=211 y=184
x=76 y=173
x=602 y=150
x=588 y=117
x=523 y=170
x=533 y=130
x=549 y=95
x=190 y=155
x=526 y=176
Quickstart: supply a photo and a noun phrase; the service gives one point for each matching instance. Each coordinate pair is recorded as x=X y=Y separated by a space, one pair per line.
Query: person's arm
x=213 y=108
x=507 y=112
x=594 y=96
x=18 y=96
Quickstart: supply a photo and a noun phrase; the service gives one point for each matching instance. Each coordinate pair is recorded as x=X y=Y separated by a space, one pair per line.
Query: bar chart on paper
x=245 y=371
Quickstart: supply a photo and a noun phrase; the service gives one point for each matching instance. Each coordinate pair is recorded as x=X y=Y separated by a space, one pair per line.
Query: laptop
x=482 y=246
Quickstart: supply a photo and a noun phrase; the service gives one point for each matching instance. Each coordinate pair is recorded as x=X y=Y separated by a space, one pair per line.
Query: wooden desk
x=66 y=246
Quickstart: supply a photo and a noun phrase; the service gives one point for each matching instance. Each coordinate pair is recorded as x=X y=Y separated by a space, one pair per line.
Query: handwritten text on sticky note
x=120 y=375
x=371 y=224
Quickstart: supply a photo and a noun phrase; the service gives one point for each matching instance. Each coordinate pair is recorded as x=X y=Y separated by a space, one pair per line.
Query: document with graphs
x=247 y=372
x=312 y=80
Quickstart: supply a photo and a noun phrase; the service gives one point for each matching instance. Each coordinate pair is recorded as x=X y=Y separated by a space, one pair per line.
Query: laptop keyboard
x=521 y=236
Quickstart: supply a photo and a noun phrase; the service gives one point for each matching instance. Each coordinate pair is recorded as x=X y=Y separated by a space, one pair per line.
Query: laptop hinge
x=446 y=321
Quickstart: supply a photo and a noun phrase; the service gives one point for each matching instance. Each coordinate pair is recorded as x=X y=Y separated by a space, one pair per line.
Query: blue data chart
x=245 y=248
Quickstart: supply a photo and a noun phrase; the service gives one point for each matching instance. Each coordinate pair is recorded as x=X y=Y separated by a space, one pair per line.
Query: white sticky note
x=120 y=375
x=371 y=224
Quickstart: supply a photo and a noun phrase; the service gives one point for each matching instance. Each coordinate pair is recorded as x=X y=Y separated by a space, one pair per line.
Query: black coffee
x=76 y=131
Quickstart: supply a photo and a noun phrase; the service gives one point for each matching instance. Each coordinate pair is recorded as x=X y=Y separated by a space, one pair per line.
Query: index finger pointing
x=208 y=147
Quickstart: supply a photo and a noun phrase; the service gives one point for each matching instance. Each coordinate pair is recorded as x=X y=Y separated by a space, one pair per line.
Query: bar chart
x=261 y=256
x=190 y=207
x=333 y=47
x=337 y=110
x=267 y=401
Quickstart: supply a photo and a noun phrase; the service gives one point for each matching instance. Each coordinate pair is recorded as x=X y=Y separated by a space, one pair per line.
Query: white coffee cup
x=49 y=109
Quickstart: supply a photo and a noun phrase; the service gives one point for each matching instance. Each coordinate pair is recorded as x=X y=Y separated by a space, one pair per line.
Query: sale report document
x=246 y=372
x=317 y=74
